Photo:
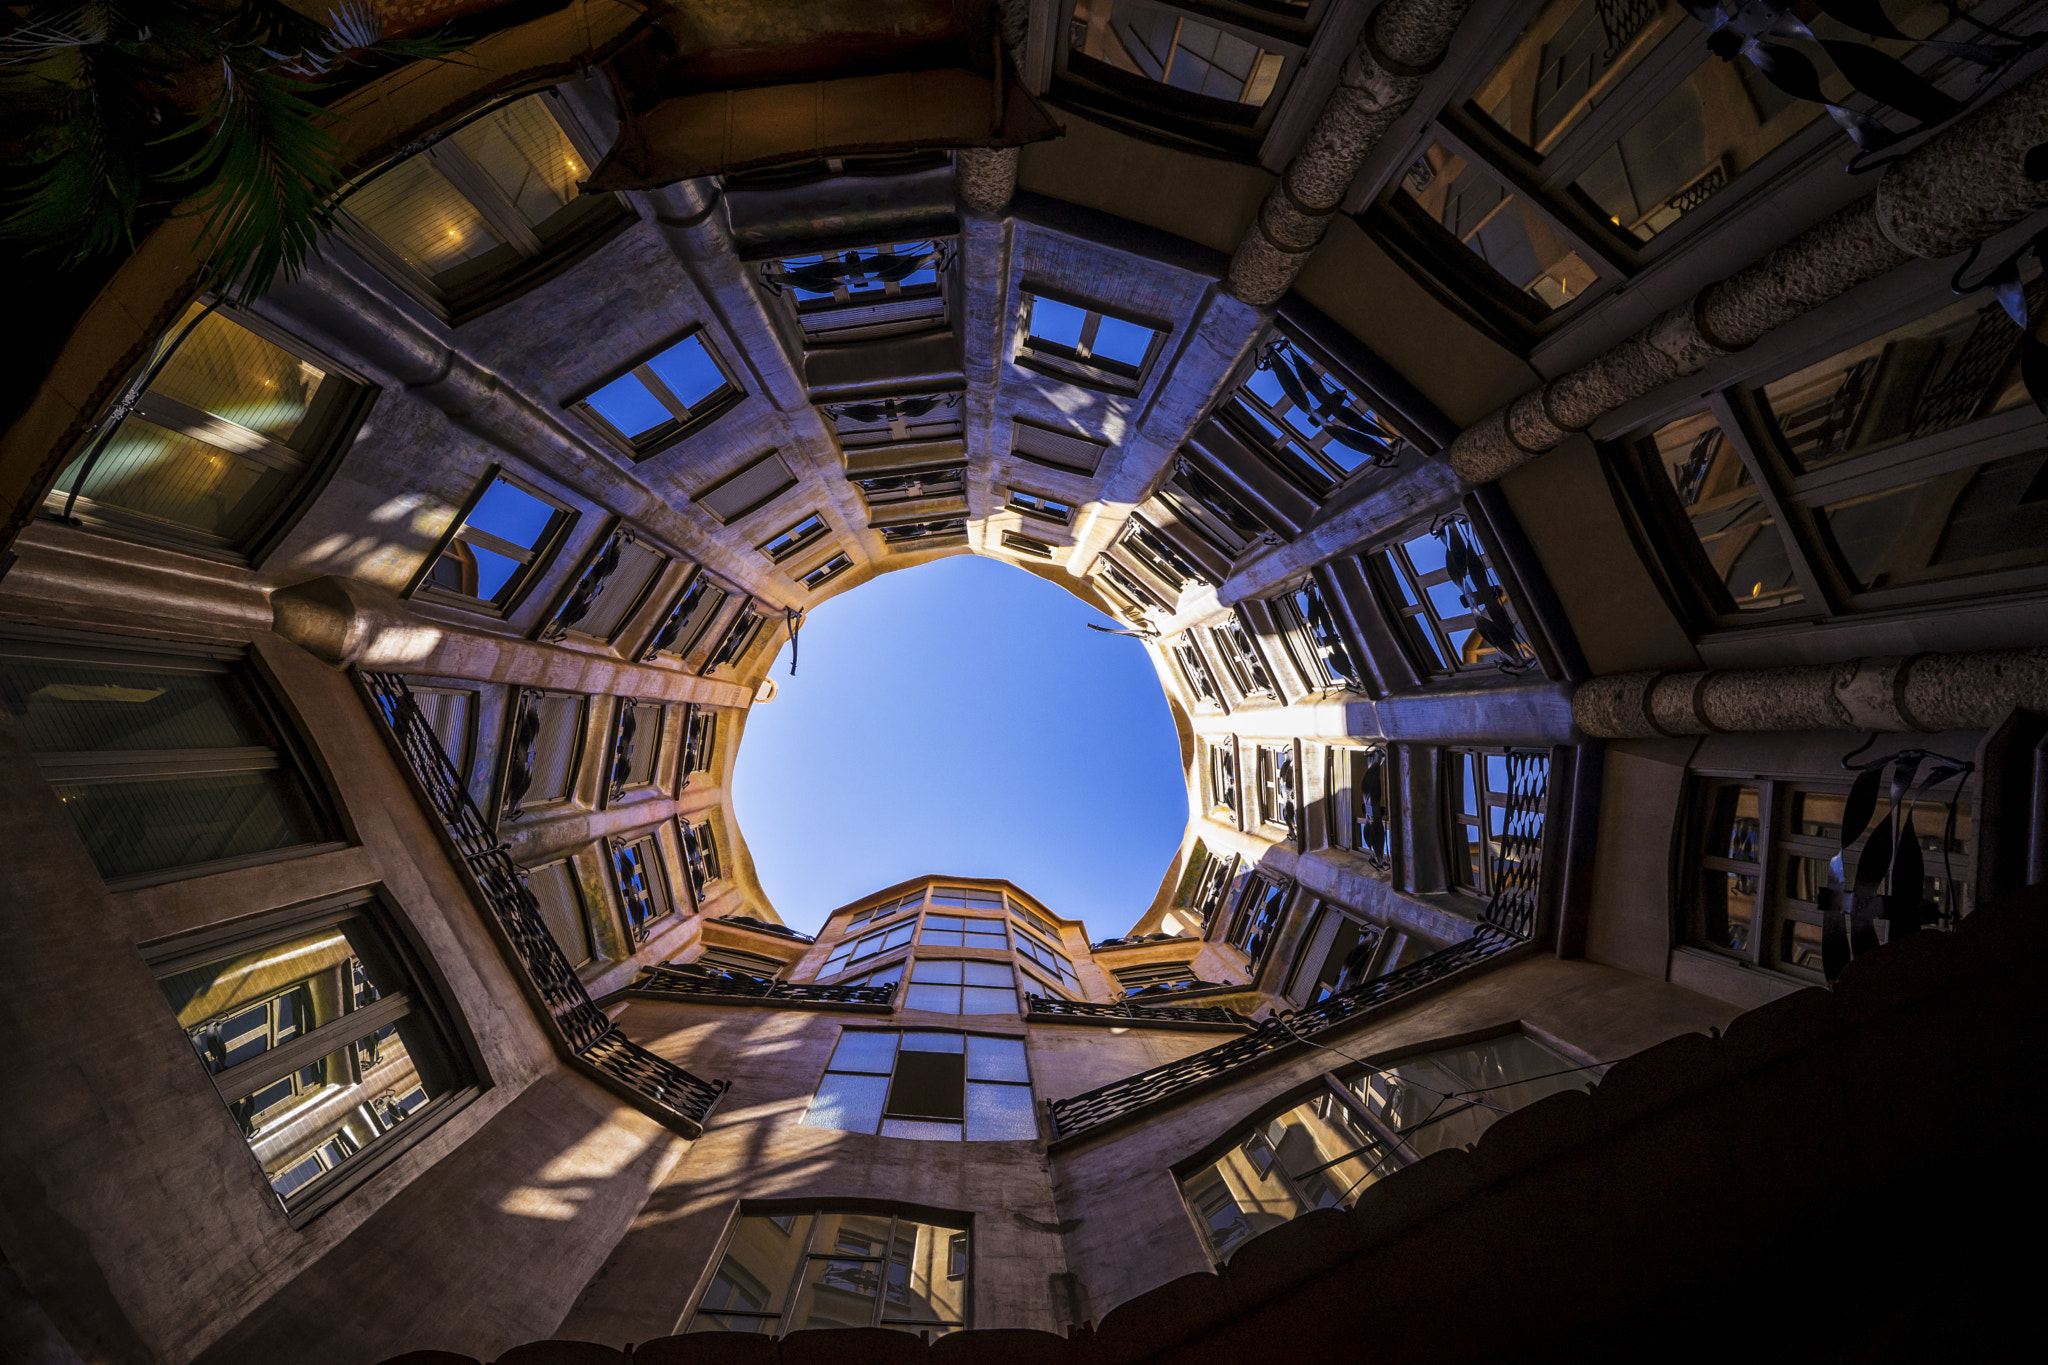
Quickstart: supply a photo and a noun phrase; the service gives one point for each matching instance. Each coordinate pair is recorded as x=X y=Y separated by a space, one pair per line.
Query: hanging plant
x=119 y=111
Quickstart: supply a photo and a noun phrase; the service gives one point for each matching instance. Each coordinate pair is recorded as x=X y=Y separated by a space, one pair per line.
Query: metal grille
x=1621 y=21
x=666 y=1090
x=1108 y=1103
x=694 y=982
x=1518 y=849
x=1051 y=1007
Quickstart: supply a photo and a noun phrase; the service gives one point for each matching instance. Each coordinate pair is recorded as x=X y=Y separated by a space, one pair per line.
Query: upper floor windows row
x=865 y=294
x=927 y=1084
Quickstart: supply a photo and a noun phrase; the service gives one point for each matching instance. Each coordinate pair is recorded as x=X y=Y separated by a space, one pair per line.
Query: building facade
x=1591 y=542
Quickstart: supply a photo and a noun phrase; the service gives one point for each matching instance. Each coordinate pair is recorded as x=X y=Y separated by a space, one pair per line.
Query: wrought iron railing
x=1518 y=856
x=587 y=1035
x=1108 y=1103
x=764 y=927
x=692 y=982
x=1052 y=1007
x=1130 y=939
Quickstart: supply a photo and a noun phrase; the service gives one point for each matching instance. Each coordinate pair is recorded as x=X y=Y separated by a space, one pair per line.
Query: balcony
x=1124 y=1014
x=700 y=985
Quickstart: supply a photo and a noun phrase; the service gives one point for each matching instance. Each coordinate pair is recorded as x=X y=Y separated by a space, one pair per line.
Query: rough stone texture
x=1969 y=181
x=1669 y=347
x=1773 y=699
x=1260 y=273
x=1825 y=261
x=987 y=176
x=1672 y=704
x=1966 y=691
x=1612 y=707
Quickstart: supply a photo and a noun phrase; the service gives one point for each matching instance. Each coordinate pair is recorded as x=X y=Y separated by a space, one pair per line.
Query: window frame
x=1278 y=784
x=1039 y=506
x=622 y=748
x=684 y=421
x=1025 y=545
x=534 y=567
x=646 y=845
x=883 y=324
x=511 y=808
x=961 y=987
x=800 y=535
x=1224 y=795
x=555 y=627
x=824 y=572
x=424 y=992
x=596 y=939
x=1078 y=364
x=697 y=499
x=1421 y=630
x=703 y=863
x=1029 y=1084
x=899 y=425
x=1348 y=770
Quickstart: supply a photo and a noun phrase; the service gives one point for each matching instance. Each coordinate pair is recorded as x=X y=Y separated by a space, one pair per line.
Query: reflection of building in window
x=1504 y=230
x=499 y=546
x=163 y=761
x=1493 y=814
x=1169 y=47
x=1360 y=785
x=1356 y=1126
x=953 y=986
x=1338 y=953
x=316 y=1037
x=1277 y=799
x=1052 y=962
x=926 y=1084
x=1261 y=907
x=227 y=427
x=1744 y=550
x=788 y=1272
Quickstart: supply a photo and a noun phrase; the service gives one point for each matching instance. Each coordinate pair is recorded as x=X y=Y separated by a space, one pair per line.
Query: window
x=1158 y=977
x=1277 y=800
x=1054 y=963
x=1325 y=658
x=1209 y=76
x=1084 y=344
x=781 y=546
x=1037 y=549
x=613 y=587
x=825 y=573
x=1211 y=880
x=1241 y=660
x=738 y=638
x=636 y=745
x=1307 y=421
x=1499 y=235
x=1492 y=828
x=864 y=295
x=747 y=489
x=1257 y=919
x=1068 y=451
x=500 y=545
x=912 y=485
x=1318 y=1154
x=1223 y=776
x=661 y=398
x=884 y=910
x=1762 y=865
x=1361 y=802
x=318 y=1034
x=1137 y=597
x=736 y=960
x=868 y=945
x=162 y=760
x=700 y=855
x=485 y=211
x=967 y=898
x=786 y=1272
x=1035 y=920
x=1199 y=501
x=1447 y=604
x=451 y=711
x=926 y=1084
x=894 y=421
x=700 y=742
x=957 y=931
x=952 y=986
x=683 y=624
x=1321 y=1150
x=1338 y=953
x=881 y=977
x=1160 y=556
x=541 y=755
x=1040 y=506
x=559 y=892
x=920 y=534
x=1194 y=671
x=230 y=424
x=643 y=885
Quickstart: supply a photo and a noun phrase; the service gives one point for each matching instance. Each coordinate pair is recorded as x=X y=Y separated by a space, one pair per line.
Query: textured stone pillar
x=987 y=177
x=1963 y=186
x=1926 y=692
x=1402 y=43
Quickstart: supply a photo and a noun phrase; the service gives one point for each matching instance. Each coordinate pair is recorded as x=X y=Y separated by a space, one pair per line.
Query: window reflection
x=1736 y=532
x=1174 y=50
x=1506 y=232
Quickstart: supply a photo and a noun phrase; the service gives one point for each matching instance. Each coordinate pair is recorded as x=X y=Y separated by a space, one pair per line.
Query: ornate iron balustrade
x=587 y=1036
x=1051 y=1007
x=692 y=982
x=1108 y=1103
x=1518 y=857
x=1129 y=939
x=763 y=926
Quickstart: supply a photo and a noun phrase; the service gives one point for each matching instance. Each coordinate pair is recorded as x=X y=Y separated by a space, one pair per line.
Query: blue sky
x=957 y=718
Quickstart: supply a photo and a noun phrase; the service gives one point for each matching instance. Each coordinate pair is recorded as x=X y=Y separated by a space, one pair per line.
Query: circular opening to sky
x=956 y=718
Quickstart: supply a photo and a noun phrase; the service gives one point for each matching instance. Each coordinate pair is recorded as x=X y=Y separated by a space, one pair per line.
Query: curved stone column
x=1959 y=188
x=987 y=177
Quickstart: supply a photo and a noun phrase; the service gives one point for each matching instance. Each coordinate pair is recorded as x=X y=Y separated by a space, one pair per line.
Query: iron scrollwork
x=589 y=587
x=1482 y=595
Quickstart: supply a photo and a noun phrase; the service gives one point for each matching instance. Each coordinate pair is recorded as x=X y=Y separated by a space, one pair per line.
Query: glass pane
x=942 y=971
x=1242 y=1195
x=157 y=472
x=225 y=369
x=1508 y=234
x=149 y=824
x=2000 y=517
x=1989 y=517
x=554 y=748
x=922 y=1130
x=927 y=1279
x=688 y=371
x=66 y=707
x=915 y=1040
x=868 y=1050
x=837 y=1293
x=1163 y=45
x=1947 y=369
x=759 y=1266
x=1122 y=341
x=630 y=406
x=512 y=514
x=988 y=1000
x=988 y=974
x=1572 y=55
x=850 y=1103
x=996 y=1059
x=522 y=151
x=999 y=1112
x=1742 y=543
x=939 y=999
x=733 y=1322
x=415 y=211
x=1058 y=322
x=1799 y=945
